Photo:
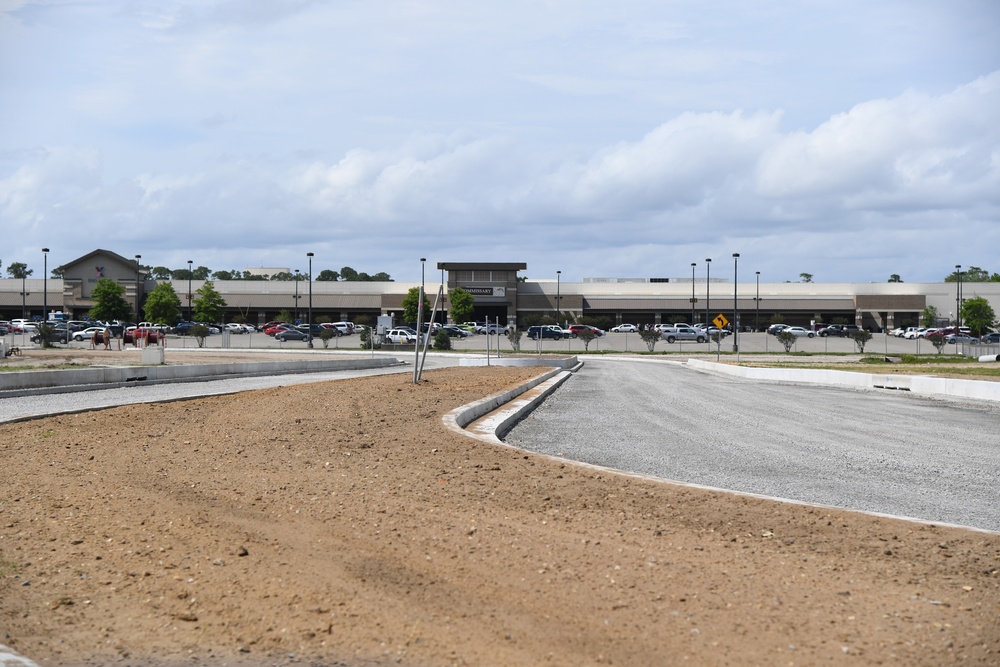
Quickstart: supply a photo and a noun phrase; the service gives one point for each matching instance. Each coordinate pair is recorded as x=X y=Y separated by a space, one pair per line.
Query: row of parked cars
x=952 y=334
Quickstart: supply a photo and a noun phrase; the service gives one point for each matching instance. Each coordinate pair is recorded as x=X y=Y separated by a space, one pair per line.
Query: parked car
x=962 y=338
x=290 y=334
x=274 y=329
x=401 y=336
x=550 y=331
x=577 y=329
x=88 y=333
x=775 y=329
x=4 y=328
x=800 y=332
x=683 y=332
x=150 y=336
x=492 y=329
x=625 y=328
x=59 y=334
x=992 y=337
x=454 y=331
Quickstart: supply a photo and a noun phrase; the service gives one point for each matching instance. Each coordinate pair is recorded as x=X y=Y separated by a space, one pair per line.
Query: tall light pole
x=310 y=276
x=296 y=318
x=190 y=275
x=693 y=264
x=45 y=285
x=736 y=306
x=558 y=295
x=137 y=258
x=24 y=311
x=756 y=300
x=708 y=289
x=958 y=297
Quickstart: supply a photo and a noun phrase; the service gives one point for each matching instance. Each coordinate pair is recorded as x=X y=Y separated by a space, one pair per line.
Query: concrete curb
x=462 y=416
x=32 y=382
x=566 y=363
x=917 y=384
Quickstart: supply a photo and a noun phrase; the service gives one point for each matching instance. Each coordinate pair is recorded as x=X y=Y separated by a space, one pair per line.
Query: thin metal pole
x=137 y=318
x=420 y=328
x=708 y=292
x=190 y=275
x=736 y=305
x=45 y=285
x=693 y=264
x=310 y=276
x=756 y=321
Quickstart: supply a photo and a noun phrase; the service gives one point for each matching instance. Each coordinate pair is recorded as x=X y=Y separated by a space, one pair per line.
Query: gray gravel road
x=891 y=453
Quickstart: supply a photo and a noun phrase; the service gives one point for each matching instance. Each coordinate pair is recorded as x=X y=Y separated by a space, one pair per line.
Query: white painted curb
x=917 y=384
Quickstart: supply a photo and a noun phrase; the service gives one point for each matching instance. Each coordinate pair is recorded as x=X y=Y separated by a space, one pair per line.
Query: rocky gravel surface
x=341 y=523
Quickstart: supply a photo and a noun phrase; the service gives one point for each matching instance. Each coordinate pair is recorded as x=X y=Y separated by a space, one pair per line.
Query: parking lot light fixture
x=190 y=274
x=756 y=300
x=958 y=297
x=693 y=264
x=45 y=285
x=296 y=318
x=310 y=276
x=137 y=318
x=558 y=294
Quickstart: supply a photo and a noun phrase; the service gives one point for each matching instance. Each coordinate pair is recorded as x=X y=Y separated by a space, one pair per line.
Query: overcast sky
x=851 y=140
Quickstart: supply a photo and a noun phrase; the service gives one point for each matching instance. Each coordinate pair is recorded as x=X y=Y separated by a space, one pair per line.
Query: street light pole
x=310 y=276
x=693 y=264
x=137 y=258
x=958 y=298
x=296 y=318
x=736 y=306
x=756 y=321
x=558 y=295
x=24 y=312
x=190 y=274
x=45 y=285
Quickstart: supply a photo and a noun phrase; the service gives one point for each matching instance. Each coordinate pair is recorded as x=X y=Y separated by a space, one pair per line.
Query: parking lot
x=619 y=342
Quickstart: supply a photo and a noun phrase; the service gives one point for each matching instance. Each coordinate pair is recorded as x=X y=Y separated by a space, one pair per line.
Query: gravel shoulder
x=341 y=523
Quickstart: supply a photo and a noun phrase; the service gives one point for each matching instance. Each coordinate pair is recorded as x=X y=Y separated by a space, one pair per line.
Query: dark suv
x=546 y=331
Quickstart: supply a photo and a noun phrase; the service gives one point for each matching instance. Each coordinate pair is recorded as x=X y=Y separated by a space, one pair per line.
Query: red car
x=270 y=331
x=577 y=328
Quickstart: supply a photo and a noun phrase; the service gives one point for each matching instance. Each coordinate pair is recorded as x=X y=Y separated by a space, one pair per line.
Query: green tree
x=411 y=303
x=514 y=336
x=442 y=341
x=201 y=273
x=327 y=276
x=938 y=340
x=650 y=337
x=462 y=305
x=929 y=316
x=227 y=275
x=182 y=274
x=163 y=305
x=160 y=273
x=973 y=274
x=18 y=270
x=284 y=315
x=109 y=301
x=978 y=315
x=806 y=277
x=283 y=276
x=787 y=339
x=586 y=336
x=894 y=278
x=58 y=272
x=348 y=274
x=381 y=277
x=861 y=336
x=209 y=305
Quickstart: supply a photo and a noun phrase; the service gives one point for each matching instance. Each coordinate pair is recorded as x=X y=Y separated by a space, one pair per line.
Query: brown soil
x=342 y=524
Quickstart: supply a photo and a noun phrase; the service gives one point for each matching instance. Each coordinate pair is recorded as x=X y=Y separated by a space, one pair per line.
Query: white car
x=625 y=328
x=400 y=336
x=87 y=333
x=799 y=331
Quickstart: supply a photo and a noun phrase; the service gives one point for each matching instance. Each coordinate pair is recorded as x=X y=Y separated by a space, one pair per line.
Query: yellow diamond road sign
x=720 y=321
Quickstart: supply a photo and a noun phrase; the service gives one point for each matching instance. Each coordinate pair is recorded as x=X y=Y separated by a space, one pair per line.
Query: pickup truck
x=673 y=334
